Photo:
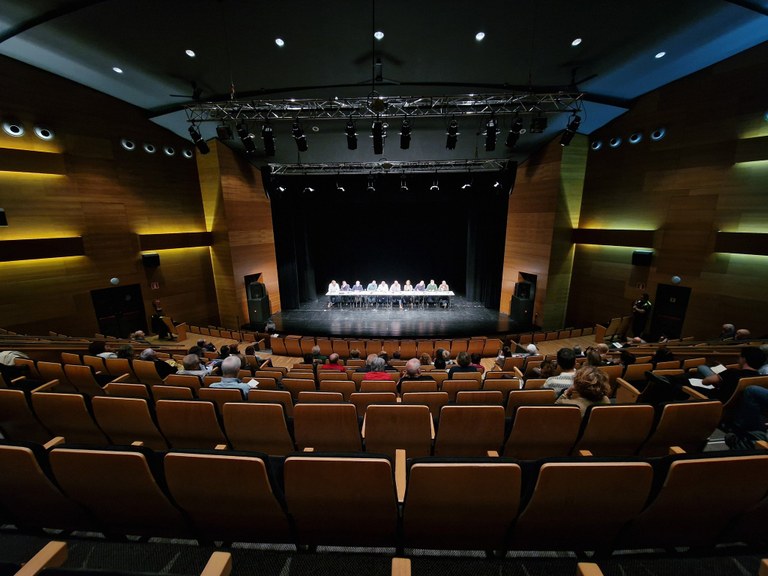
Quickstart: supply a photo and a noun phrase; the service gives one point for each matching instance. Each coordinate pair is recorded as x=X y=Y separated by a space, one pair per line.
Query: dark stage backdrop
x=450 y=234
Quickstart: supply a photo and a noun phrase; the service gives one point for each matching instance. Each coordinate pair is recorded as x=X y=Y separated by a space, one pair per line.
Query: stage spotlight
x=340 y=188
x=491 y=130
x=198 y=141
x=452 y=135
x=378 y=133
x=405 y=134
x=268 y=135
x=435 y=186
x=308 y=190
x=246 y=137
x=515 y=131
x=351 y=135
x=224 y=132
x=538 y=124
x=570 y=130
x=371 y=188
x=281 y=189
x=299 y=136
x=403 y=184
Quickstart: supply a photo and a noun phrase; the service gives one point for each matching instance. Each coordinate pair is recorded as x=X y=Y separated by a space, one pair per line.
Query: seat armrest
x=694 y=394
x=47 y=386
x=625 y=392
x=219 y=564
x=400 y=474
x=53 y=554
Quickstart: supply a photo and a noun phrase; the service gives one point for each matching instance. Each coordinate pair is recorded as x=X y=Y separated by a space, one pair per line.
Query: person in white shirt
x=383 y=287
x=395 y=288
x=408 y=287
x=443 y=301
x=333 y=290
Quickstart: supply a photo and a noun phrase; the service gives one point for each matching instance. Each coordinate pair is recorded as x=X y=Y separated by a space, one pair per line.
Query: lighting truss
x=387 y=107
x=385 y=167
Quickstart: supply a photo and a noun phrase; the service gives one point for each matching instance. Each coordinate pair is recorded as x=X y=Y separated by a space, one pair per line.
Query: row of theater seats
x=367 y=500
x=302 y=345
x=422 y=423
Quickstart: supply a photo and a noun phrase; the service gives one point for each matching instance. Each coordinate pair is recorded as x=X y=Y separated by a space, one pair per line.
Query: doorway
x=669 y=310
x=119 y=310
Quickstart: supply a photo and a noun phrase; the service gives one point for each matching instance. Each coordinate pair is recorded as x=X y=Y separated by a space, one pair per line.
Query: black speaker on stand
x=521 y=313
x=258 y=303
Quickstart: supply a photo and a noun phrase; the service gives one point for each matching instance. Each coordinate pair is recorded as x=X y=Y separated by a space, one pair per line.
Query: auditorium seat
x=476 y=346
x=230 y=499
x=17 y=420
x=469 y=430
x=220 y=396
x=331 y=375
x=282 y=397
x=425 y=347
x=517 y=398
x=503 y=385
x=277 y=375
x=345 y=387
x=127 y=420
x=257 y=427
x=349 y=501
x=458 y=345
x=531 y=369
x=492 y=347
x=83 y=379
x=28 y=368
x=685 y=424
x=67 y=415
x=95 y=362
x=534 y=383
x=438 y=376
x=340 y=347
x=581 y=505
x=408 y=349
x=186 y=380
x=615 y=430
x=418 y=386
x=542 y=431
x=698 y=499
x=326 y=427
x=388 y=428
x=690 y=363
x=189 y=424
x=31 y=496
x=313 y=397
x=70 y=358
x=171 y=393
x=120 y=490
x=119 y=366
x=266 y=383
x=668 y=365
x=454 y=386
x=635 y=373
x=127 y=390
x=480 y=397
x=458 y=504
x=612 y=372
x=378 y=386
x=146 y=372
x=511 y=362
x=433 y=400
x=54 y=371
x=296 y=385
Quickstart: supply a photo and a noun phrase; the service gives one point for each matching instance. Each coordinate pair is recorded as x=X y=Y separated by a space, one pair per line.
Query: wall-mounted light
x=351 y=135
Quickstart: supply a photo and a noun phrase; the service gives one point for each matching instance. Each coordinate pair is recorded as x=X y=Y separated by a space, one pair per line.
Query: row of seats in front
x=301 y=346
x=461 y=430
x=366 y=500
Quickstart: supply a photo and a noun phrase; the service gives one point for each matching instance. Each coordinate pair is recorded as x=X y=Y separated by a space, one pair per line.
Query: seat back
x=83 y=380
x=434 y=400
x=689 y=363
x=731 y=405
x=511 y=362
x=172 y=393
x=187 y=380
x=460 y=505
x=331 y=375
x=418 y=386
x=189 y=424
x=118 y=367
x=345 y=387
x=534 y=383
x=282 y=397
x=361 y=400
x=29 y=367
x=668 y=365
x=326 y=427
x=469 y=430
x=378 y=386
x=636 y=372
x=482 y=397
x=54 y=371
x=95 y=362
x=257 y=427
x=621 y=488
x=126 y=390
x=70 y=358
x=146 y=372
x=67 y=415
x=615 y=430
x=321 y=397
x=126 y=420
x=517 y=398
x=614 y=371
x=543 y=431
x=454 y=386
x=389 y=427
x=686 y=424
x=360 y=491
x=220 y=396
x=296 y=385
x=17 y=421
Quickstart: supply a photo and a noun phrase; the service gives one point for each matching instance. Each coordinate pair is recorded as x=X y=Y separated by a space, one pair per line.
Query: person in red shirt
x=333 y=363
x=378 y=367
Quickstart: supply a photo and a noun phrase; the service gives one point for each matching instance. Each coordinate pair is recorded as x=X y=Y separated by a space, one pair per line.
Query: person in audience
x=318 y=358
x=384 y=356
x=475 y=361
x=206 y=346
x=333 y=292
x=578 y=351
x=333 y=363
x=764 y=368
x=191 y=365
x=412 y=372
x=163 y=368
x=230 y=369
x=748 y=425
x=463 y=365
x=603 y=349
x=531 y=350
x=547 y=369
x=742 y=334
x=662 y=354
x=139 y=336
x=354 y=354
x=594 y=358
x=368 y=363
x=566 y=361
x=395 y=288
x=727 y=332
x=590 y=386
x=99 y=348
x=224 y=351
x=504 y=353
x=443 y=300
x=125 y=351
x=440 y=361
x=425 y=359
x=378 y=370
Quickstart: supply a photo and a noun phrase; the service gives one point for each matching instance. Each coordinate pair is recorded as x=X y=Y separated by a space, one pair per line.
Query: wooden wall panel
x=686 y=188
x=105 y=194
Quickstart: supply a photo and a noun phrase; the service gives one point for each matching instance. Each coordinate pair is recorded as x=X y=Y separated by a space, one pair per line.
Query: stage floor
x=463 y=318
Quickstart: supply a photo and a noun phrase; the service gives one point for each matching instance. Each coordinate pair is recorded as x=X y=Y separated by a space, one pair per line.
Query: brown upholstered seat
x=282 y=397
x=469 y=430
x=126 y=420
x=454 y=386
x=67 y=415
x=615 y=430
x=361 y=400
x=434 y=400
x=83 y=379
x=189 y=423
x=686 y=424
x=398 y=426
x=257 y=427
x=17 y=421
x=543 y=431
x=326 y=427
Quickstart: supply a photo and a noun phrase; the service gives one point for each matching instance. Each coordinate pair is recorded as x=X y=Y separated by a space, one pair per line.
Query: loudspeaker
x=259 y=310
x=150 y=260
x=257 y=290
x=521 y=313
x=523 y=290
x=3 y=218
x=642 y=257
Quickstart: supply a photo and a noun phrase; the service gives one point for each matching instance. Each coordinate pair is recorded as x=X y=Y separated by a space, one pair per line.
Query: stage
x=462 y=319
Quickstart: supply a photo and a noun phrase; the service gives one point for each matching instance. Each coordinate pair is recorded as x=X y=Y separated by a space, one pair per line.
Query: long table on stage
x=366 y=298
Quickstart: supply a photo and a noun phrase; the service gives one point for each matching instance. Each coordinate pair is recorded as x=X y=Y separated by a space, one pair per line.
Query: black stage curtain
x=454 y=234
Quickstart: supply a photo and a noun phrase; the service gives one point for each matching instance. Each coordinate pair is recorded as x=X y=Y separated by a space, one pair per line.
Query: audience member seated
x=463 y=366
x=475 y=361
x=764 y=368
x=230 y=369
x=504 y=353
x=590 y=386
x=354 y=354
x=727 y=332
x=162 y=367
x=99 y=348
x=206 y=346
x=742 y=334
x=191 y=365
x=368 y=363
x=594 y=358
x=547 y=369
x=425 y=359
x=333 y=363
x=378 y=370
x=139 y=336
x=566 y=360
x=412 y=372
x=439 y=362
x=125 y=351
x=662 y=354
x=318 y=358
x=748 y=425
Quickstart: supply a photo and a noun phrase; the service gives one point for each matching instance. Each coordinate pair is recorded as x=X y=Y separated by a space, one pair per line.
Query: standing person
x=333 y=291
x=641 y=310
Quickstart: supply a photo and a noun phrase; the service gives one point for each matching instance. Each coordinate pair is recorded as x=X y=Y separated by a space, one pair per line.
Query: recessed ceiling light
x=190 y=53
x=660 y=55
x=117 y=70
x=280 y=42
x=479 y=36
x=576 y=42
x=378 y=34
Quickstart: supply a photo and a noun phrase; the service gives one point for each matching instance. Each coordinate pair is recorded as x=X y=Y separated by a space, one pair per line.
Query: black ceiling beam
x=751 y=5
x=47 y=17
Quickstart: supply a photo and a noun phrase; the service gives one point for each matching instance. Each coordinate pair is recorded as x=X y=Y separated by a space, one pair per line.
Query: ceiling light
x=14 y=129
x=636 y=138
x=435 y=186
x=570 y=130
x=43 y=133
x=378 y=133
x=576 y=42
x=339 y=187
x=514 y=132
x=378 y=34
x=129 y=145
x=467 y=185
x=198 y=141
x=190 y=53
x=538 y=124
x=480 y=36
x=658 y=134
x=405 y=134
x=491 y=129
x=351 y=135
x=281 y=189
x=268 y=135
x=299 y=136
x=246 y=137
x=117 y=70
x=308 y=190
x=403 y=184
x=453 y=135
x=371 y=188
x=170 y=151
x=187 y=153
x=596 y=145
x=660 y=55
x=149 y=148
x=614 y=142
x=280 y=42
